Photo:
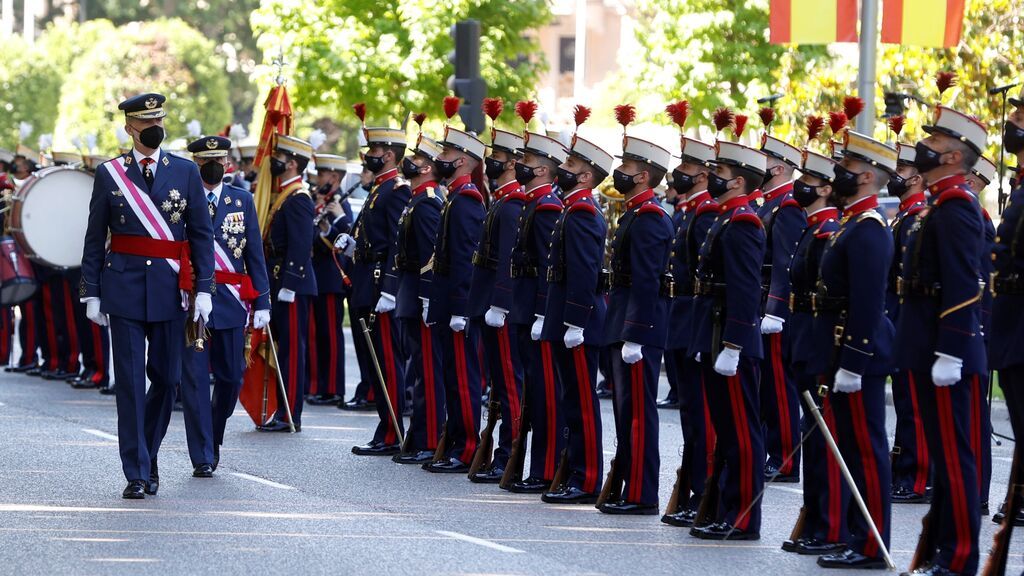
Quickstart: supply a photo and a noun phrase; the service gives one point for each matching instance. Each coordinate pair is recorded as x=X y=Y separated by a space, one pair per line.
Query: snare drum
x=49 y=216
x=17 y=280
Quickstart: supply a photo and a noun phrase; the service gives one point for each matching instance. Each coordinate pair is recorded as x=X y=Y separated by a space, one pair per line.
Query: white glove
x=697 y=357
x=727 y=362
x=346 y=244
x=495 y=317
x=573 y=336
x=92 y=311
x=204 y=305
x=385 y=304
x=285 y=295
x=260 y=319
x=632 y=352
x=947 y=369
x=847 y=382
x=771 y=324
x=457 y=323
x=426 y=308
x=537 y=328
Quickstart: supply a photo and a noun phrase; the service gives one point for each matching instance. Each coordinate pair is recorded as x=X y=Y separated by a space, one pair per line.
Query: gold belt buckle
x=837 y=335
x=822 y=390
x=792 y=302
x=814 y=302
x=899 y=286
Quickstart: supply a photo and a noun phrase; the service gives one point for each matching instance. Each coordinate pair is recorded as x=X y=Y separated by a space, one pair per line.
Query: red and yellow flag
x=277 y=121
x=934 y=23
x=812 y=21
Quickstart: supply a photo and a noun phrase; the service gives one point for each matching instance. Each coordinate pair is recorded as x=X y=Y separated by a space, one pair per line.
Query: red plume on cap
x=722 y=118
x=580 y=114
x=767 y=116
x=944 y=81
x=836 y=122
x=739 y=124
x=525 y=109
x=360 y=110
x=493 y=107
x=815 y=125
x=852 y=106
x=624 y=114
x=678 y=112
x=418 y=118
x=451 y=106
x=896 y=124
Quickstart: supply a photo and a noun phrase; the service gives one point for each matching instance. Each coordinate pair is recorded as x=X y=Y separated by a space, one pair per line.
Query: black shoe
x=632 y=508
x=490 y=476
x=790 y=545
x=684 y=518
x=932 y=570
x=771 y=474
x=83 y=384
x=377 y=449
x=848 y=559
x=203 y=471
x=530 y=485
x=20 y=369
x=904 y=495
x=57 y=374
x=34 y=371
x=108 y=391
x=569 y=495
x=276 y=425
x=136 y=490
x=449 y=466
x=85 y=375
x=154 y=478
x=815 y=547
x=216 y=457
x=668 y=404
x=358 y=404
x=323 y=399
x=421 y=457
x=724 y=531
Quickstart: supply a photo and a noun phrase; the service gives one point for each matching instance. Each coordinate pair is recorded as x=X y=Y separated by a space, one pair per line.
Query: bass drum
x=49 y=216
x=17 y=279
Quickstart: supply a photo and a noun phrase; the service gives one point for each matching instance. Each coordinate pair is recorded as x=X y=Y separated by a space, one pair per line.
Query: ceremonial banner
x=277 y=121
x=933 y=23
x=812 y=21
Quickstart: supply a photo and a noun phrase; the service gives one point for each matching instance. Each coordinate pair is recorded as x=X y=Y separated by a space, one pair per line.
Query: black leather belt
x=485 y=262
x=801 y=302
x=708 y=288
x=918 y=288
x=1012 y=284
x=823 y=303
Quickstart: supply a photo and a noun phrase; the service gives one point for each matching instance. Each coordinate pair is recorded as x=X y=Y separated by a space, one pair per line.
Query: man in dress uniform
x=150 y=202
x=784 y=222
x=911 y=465
x=728 y=342
x=853 y=337
x=407 y=280
x=490 y=295
x=536 y=172
x=637 y=323
x=288 y=246
x=373 y=237
x=822 y=522
x=448 y=311
x=575 y=313
x=690 y=179
x=939 y=331
x=333 y=218
x=672 y=371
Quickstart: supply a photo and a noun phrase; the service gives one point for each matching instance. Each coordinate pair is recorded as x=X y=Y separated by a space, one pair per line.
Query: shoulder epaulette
x=871 y=215
x=584 y=207
x=789 y=202
x=915 y=209
x=954 y=194
x=707 y=206
x=472 y=192
x=749 y=217
x=550 y=207
x=517 y=195
x=651 y=208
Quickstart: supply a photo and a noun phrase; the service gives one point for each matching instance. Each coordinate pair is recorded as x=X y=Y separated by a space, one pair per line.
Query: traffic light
x=466 y=83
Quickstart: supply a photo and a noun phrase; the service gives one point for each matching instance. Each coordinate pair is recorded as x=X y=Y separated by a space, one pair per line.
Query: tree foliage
x=29 y=90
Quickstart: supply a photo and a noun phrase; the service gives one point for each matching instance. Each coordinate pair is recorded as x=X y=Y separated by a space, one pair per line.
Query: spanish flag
x=812 y=21
x=933 y=23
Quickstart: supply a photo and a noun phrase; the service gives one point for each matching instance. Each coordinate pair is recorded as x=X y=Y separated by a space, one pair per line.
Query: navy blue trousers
x=542 y=391
x=225 y=358
x=577 y=371
x=780 y=406
x=910 y=462
x=826 y=494
x=505 y=371
x=426 y=368
x=636 y=424
x=387 y=345
x=672 y=374
x=698 y=432
x=463 y=386
x=290 y=326
x=981 y=433
x=328 y=346
x=367 y=376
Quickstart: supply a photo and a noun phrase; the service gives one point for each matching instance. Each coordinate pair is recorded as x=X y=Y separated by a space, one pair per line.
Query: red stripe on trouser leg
x=69 y=311
x=549 y=411
x=51 y=329
x=101 y=358
x=636 y=460
x=921 y=458
x=465 y=406
x=293 y=355
x=429 y=393
x=835 y=494
x=508 y=375
x=746 y=472
x=976 y=424
x=873 y=494
x=710 y=437
x=782 y=401
x=958 y=496
x=391 y=378
x=590 y=449
x=332 y=337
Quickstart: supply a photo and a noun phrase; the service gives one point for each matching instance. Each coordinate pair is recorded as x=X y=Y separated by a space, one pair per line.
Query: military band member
x=939 y=332
x=575 y=312
x=726 y=336
x=853 y=339
x=637 y=321
x=672 y=371
x=288 y=246
x=150 y=202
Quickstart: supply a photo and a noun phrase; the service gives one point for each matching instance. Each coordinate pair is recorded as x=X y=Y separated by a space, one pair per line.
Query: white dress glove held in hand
x=385 y=304
x=771 y=324
x=495 y=317
x=260 y=319
x=426 y=308
x=632 y=352
x=727 y=362
x=573 y=336
x=537 y=328
x=92 y=311
x=457 y=323
x=846 y=382
x=204 y=305
x=285 y=295
x=947 y=370
x=346 y=244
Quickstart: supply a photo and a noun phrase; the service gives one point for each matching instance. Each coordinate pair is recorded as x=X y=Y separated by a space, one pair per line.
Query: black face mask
x=250 y=176
x=567 y=180
x=493 y=168
x=211 y=172
x=1013 y=138
x=409 y=169
x=445 y=169
x=804 y=193
x=277 y=167
x=524 y=174
x=151 y=137
x=623 y=182
x=682 y=182
x=324 y=190
x=367 y=186
x=717 y=186
x=373 y=163
x=927 y=159
x=897 y=185
x=845 y=182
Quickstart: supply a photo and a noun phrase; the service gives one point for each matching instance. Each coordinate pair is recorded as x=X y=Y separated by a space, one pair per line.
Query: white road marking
x=91 y=539
x=478 y=542
x=99 y=433
x=125 y=560
x=787 y=489
x=46 y=508
x=244 y=476
x=335 y=428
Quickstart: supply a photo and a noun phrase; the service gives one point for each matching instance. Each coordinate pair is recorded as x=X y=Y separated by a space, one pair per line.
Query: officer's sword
x=380 y=378
x=280 y=381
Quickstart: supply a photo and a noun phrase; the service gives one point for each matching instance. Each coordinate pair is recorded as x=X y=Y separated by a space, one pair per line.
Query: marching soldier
x=672 y=369
x=728 y=342
x=939 y=331
x=289 y=245
x=149 y=201
x=636 y=324
x=853 y=337
x=575 y=313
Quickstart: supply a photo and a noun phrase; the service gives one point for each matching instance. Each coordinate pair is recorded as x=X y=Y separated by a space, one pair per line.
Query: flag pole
x=868 y=62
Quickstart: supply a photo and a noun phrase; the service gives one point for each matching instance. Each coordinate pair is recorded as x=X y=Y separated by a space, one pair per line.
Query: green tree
x=29 y=91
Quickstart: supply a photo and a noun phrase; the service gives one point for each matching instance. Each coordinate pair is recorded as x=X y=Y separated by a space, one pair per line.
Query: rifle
x=483 y=454
x=517 y=455
x=996 y=563
x=707 y=512
x=612 y=488
x=681 y=490
x=442 y=447
x=562 y=472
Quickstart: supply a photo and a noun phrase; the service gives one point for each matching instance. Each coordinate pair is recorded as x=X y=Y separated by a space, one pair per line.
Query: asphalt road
x=303 y=504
